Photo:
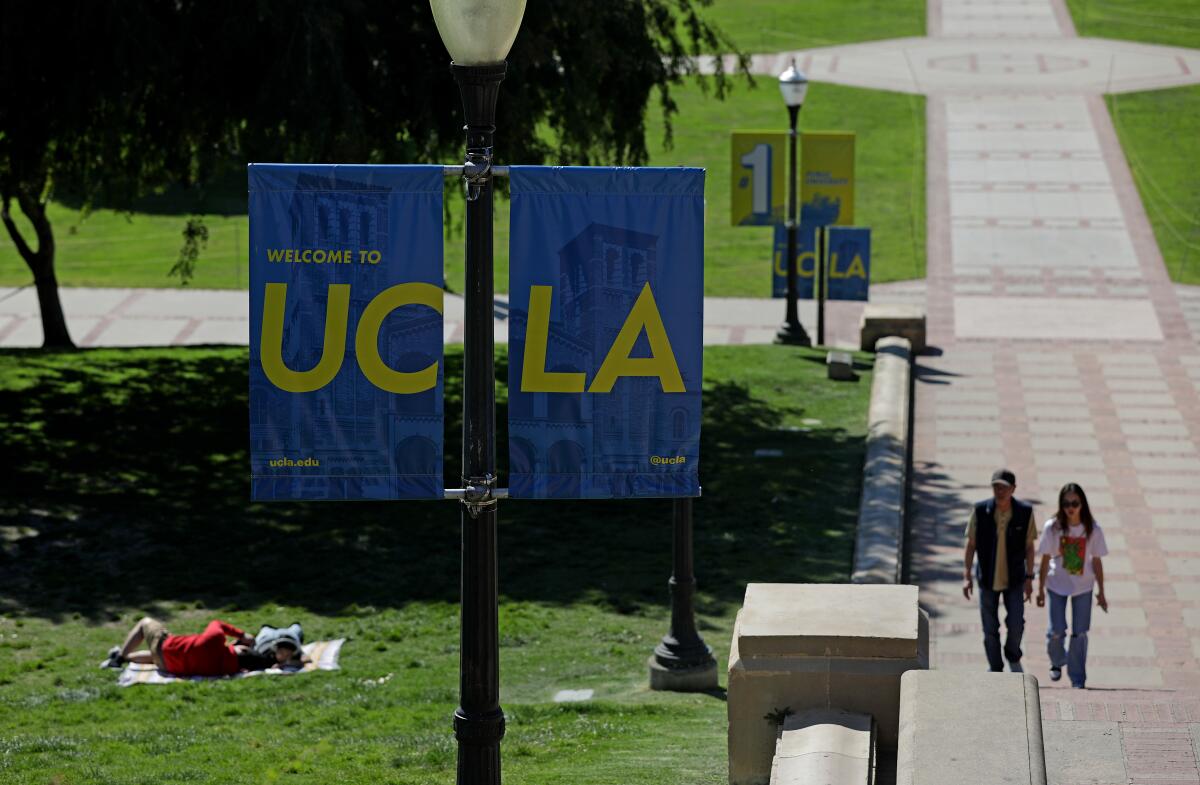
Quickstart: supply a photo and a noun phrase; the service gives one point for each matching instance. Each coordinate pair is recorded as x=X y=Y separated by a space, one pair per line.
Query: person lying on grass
x=206 y=654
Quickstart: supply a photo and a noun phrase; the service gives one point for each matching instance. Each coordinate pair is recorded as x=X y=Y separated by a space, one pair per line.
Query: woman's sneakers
x=114 y=658
x=1055 y=674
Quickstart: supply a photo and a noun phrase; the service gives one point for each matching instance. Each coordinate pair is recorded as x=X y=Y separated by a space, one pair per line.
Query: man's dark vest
x=1015 y=535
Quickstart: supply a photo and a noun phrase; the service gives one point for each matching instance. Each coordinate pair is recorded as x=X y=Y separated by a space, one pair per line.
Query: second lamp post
x=794 y=86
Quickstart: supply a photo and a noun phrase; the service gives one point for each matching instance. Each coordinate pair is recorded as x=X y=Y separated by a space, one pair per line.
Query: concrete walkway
x=181 y=317
x=1063 y=352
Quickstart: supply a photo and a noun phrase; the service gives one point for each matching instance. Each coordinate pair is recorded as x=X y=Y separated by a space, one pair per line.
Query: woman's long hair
x=1085 y=512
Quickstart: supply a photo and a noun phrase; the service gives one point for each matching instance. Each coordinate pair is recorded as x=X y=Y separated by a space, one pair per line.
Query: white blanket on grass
x=324 y=656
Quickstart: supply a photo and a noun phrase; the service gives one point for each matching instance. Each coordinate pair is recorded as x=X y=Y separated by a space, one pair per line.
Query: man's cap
x=1004 y=477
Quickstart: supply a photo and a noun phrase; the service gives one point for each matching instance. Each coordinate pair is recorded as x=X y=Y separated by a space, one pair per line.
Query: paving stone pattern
x=1064 y=353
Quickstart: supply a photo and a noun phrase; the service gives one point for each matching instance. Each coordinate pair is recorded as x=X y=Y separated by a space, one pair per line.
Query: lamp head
x=478 y=32
x=794 y=85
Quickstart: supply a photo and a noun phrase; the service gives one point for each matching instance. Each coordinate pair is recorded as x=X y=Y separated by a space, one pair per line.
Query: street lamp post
x=794 y=85
x=478 y=34
x=682 y=661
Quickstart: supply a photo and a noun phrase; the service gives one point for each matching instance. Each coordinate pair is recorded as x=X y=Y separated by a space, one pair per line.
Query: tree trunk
x=54 y=322
x=55 y=334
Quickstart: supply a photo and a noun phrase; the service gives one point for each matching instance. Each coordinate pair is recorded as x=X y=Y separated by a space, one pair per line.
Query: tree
x=111 y=99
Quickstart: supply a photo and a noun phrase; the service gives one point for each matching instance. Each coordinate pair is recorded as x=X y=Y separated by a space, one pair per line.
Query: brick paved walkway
x=1066 y=354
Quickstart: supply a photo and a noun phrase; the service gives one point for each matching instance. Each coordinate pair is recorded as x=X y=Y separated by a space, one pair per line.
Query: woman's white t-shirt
x=1071 y=555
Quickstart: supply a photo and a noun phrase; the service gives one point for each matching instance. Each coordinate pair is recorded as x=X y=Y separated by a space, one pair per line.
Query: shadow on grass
x=127 y=486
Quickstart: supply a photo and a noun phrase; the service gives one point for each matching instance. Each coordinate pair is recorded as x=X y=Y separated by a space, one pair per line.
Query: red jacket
x=206 y=654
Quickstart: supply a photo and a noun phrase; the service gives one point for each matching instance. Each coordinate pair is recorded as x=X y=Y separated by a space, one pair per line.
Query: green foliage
x=148 y=94
x=1158 y=131
x=145 y=94
x=101 y=524
x=195 y=239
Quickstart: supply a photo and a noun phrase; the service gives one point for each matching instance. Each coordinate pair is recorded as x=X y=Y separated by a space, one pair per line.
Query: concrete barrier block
x=798 y=647
x=880 y=320
x=981 y=728
x=840 y=366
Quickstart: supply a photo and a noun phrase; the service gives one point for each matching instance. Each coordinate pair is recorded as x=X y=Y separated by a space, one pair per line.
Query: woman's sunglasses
x=1073 y=504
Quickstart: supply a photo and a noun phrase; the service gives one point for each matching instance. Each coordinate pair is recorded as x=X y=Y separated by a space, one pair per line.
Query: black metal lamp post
x=682 y=661
x=794 y=85
x=478 y=35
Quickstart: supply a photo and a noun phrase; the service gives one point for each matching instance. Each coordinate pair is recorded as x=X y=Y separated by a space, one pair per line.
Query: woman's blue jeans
x=1081 y=620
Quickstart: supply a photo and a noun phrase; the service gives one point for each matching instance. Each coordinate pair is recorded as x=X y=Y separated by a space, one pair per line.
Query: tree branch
x=35 y=211
x=22 y=247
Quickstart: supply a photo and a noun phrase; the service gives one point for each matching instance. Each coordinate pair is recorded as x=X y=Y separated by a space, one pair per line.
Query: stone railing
x=977 y=728
x=879 y=542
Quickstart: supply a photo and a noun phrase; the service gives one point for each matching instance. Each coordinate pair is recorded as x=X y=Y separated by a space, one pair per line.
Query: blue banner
x=606 y=333
x=806 y=262
x=345 y=332
x=849 y=263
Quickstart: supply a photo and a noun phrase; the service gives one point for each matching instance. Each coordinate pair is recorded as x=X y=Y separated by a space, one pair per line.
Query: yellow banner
x=827 y=178
x=757 y=185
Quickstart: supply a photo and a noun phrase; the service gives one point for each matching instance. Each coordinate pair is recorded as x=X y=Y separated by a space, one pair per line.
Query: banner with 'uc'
x=345 y=332
x=606 y=331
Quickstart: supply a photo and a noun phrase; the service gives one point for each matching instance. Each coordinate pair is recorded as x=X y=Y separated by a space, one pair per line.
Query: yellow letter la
x=366 y=339
x=534 y=376
x=855 y=270
x=661 y=363
x=332 y=353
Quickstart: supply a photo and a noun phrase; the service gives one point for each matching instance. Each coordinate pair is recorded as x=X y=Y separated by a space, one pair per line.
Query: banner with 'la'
x=606 y=332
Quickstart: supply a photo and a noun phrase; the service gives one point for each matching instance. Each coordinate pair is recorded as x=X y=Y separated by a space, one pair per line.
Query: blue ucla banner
x=606 y=332
x=806 y=262
x=345 y=332
x=849 y=263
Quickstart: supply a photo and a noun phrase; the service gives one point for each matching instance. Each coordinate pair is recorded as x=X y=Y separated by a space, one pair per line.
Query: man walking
x=1001 y=531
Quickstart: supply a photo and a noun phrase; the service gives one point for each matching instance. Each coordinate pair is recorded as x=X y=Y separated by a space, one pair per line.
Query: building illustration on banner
x=361 y=437
x=602 y=273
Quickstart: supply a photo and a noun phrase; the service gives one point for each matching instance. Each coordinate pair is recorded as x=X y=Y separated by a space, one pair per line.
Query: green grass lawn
x=125 y=493
x=1158 y=129
x=112 y=249
x=1172 y=22
x=780 y=25
x=1160 y=133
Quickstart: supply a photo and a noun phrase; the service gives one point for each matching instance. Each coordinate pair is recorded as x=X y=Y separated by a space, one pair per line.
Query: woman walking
x=1071 y=546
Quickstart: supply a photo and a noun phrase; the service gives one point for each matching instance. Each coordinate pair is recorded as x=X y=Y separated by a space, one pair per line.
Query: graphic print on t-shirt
x=1074 y=552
